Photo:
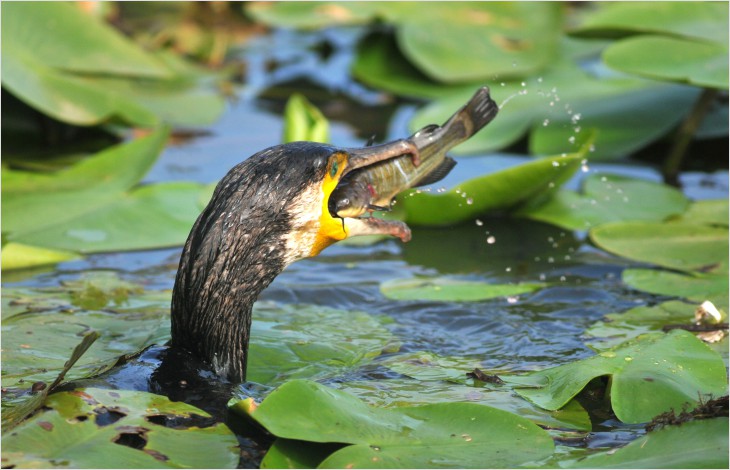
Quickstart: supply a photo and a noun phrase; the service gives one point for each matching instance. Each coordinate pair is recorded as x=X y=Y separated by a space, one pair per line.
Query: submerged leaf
x=451 y=290
x=450 y=434
x=650 y=375
x=288 y=341
x=92 y=428
x=697 y=444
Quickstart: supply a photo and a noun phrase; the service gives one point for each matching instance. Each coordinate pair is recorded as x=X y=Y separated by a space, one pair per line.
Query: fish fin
x=438 y=173
x=373 y=207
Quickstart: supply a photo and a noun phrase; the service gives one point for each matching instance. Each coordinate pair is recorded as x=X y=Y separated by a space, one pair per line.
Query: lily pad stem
x=684 y=136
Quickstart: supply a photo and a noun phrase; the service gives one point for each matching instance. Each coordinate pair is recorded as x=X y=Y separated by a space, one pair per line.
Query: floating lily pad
x=621 y=327
x=609 y=198
x=650 y=375
x=451 y=290
x=507 y=39
x=306 y=341
x=697 y=287
x=88 y=73
x=452 y=434
x=696 y=444
x=408 y=392
x=673 y=59
x=303 y=121
x=13 y=415
x=290 y=453
x=92 y=428
x=94 y=205
x=38 y=338
x=707 y=212
x=684 y=247
x=563 y=104
x=498 y=191
x=707 y=20
x=18 y=255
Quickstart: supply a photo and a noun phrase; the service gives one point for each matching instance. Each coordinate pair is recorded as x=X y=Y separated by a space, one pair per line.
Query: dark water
x=509 y=334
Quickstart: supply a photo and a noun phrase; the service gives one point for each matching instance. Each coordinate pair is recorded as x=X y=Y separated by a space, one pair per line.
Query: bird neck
x=231 y=255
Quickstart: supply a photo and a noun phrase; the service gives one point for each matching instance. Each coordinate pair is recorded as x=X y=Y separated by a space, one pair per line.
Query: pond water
x=525 y=332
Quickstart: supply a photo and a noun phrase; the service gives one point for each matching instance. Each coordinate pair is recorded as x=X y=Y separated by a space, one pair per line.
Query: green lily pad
x=674 y=59
x=306 y=341
x=684 y=247
x=92 y=428
x=696 y=444
x=697 y=287
x=609 y=198
x=303 y=121
x=450 y=434
x=290 y=453
x=38 y=338
x=506 y=39
x=95 y=206
x=707 y=20
x=444 y=379
x=380 y=64
x=81 y=42
x=562 y=105
x=13 y=415
x=78 y=69
x=707 y=212
x=650 y=375
x=18 y=255
x=151 y=216
x=451 y=290
x=500 y=190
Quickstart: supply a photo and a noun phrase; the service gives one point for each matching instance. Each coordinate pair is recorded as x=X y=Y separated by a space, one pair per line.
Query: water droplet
x=466 y=437
x=562 y=278
x=628 y=359
x=571 y=139
x=470 y=201
x=545 y=122
x=592 y=148
x=551 y=185
x=502 y=84
x=491 y=240
x=604 y=179
x=512 y=299
x=539 y=79
x=523 y=84
x=537 y=258
x=552 y=103
x=576 y=129
x=584 y=168
x=542 y=277
x=555 y=163
x=479 y=222
x=514 y=63
x=508 y=269
x=551 y=259
x=566 y=257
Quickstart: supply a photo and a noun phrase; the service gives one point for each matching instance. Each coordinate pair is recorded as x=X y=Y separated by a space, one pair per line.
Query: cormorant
x=268 y=211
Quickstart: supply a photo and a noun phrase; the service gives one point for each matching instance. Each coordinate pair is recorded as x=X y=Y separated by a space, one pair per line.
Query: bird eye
x=333 y=168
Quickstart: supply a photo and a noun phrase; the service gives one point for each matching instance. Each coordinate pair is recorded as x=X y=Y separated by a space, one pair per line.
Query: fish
x=372 y=188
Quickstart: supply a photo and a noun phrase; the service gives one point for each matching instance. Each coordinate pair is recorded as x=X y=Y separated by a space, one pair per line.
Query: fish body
x=373 y=187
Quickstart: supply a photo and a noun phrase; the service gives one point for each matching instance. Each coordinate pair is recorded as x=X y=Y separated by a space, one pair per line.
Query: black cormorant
x=268 y=211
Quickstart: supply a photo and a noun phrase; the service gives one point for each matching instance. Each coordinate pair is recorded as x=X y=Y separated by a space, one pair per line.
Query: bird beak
x=361 y=157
